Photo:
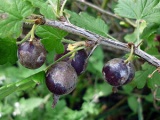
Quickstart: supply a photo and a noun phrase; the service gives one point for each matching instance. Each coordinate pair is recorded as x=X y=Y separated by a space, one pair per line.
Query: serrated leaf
x=133 y=103
x=139 y=9
x=141 y=77
x=88 y=22
x=51 y=38
x=15 y=11
x=8 y=51
x=22 y=85
x=149 y=30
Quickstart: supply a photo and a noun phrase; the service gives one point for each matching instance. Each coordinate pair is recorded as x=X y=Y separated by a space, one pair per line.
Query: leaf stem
x=68 y=41
x=138 y=32
x=24 y=39
x=62 y=7
x=130 y=55
x=32 y=32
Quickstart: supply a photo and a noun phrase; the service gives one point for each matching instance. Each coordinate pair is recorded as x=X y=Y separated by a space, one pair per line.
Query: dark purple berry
x=61 y=78
x=32 y=55
x=78 y=62
x=117 y=72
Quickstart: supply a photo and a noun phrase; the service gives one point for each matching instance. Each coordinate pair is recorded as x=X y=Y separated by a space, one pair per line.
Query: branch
x=106 y=12
x=102 y=40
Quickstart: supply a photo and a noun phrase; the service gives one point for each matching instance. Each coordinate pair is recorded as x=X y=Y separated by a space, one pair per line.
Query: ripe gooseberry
x=32 y=54
x=117 y=73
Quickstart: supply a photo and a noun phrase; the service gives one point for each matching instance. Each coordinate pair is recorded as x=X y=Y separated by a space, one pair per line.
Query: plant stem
x=102 y=40
x=104 y=3
x=53 y=8
x=130 y=55
x=138 y=32
x=62 y=7
x=24 y=39
x=68 y=41
x=32 y=32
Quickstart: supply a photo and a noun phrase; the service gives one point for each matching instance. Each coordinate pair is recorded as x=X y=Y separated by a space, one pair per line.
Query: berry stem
x=24 y=39
x=32 y=32
x=62 y=7
x=56 y=99
x=131 y=55
x=150 y=75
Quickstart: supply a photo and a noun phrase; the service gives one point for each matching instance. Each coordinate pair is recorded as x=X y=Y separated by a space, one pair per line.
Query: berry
x=61 y=79
x=78 y=62
x=117 y=72
x=32 y=54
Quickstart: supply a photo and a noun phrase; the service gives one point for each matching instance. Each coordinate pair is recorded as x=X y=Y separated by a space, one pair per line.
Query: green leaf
x=142 y=77
x=139 y=9
x=45 y=9
x=15 y=12
x=8 y=51
x=149 y=30
x=133 y=104
x=88 y=22
x=51 y=38
x=22 y=85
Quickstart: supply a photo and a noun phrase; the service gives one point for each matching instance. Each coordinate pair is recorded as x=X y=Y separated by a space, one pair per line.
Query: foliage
x=23 y=92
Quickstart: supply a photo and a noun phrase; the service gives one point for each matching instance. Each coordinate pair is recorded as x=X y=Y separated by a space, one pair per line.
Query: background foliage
x=23 y=93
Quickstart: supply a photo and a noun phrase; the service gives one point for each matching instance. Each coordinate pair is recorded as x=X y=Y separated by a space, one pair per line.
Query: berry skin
x=117 y=73
x=61 y=78
x=32 y=54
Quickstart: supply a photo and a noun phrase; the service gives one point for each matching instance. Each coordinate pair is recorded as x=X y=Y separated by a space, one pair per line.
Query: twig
x=106 y=12
x=104 y=41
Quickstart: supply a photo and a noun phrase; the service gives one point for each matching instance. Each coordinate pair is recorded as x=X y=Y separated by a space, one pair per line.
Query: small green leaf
x=142 y=77
x=88 y=22
x=149 y=30
x=133 y=103
x=15 y=11
x=139 y=9
x=51 y=38
x=8 y=51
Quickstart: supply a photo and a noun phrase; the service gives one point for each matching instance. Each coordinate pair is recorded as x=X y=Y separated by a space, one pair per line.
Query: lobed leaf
x=139 y=9
x=14 y=11
x=88 y=22
x=51 y=38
